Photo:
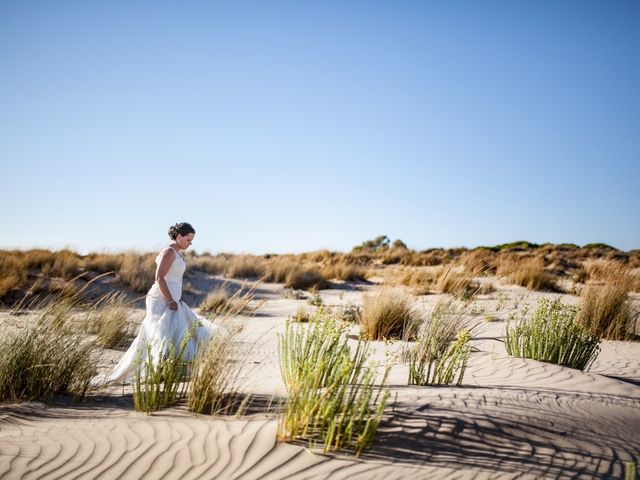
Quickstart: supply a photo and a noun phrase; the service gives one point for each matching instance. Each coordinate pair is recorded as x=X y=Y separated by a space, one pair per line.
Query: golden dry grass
x=103 y=262
x=455 y=282
x=215 y=265
x=606 y=312
x=109 y=320
x=138 y=271
x=306 y=278
x=389 y=313
x=421 y=281
x=479 y=261
x=605 y=308
x=13 y=274
x=526 y=272
x=221 y=301
x=246 y=266
x=344 y=271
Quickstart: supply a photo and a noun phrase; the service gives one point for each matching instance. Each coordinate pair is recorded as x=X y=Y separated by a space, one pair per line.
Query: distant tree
x=376 y=245
x=399 y=244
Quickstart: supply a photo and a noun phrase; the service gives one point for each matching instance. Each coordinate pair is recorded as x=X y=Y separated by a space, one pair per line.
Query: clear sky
x=295 y=126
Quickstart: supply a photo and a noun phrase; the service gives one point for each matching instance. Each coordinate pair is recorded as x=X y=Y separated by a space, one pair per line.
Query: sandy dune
x=513 y=418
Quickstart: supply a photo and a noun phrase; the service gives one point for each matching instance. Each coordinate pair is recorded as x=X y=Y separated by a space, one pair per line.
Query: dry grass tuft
x=215 y=265
x=246 y=266
x=528 y=273
x=215 y=384
x=345 y=272
x=606 y=311
x=13 y=273
x=103 y=263
x=306 y=278
x=420 y=280
x=456 y=282
x=279 y=267
x=67 y=264
x=389 y=314
x=138 y=271
x=221 y=302
x=605 y=308
x=109 y=320
x=479 y=261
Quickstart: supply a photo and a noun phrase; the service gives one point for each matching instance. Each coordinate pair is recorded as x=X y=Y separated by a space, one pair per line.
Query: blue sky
x=295 y=126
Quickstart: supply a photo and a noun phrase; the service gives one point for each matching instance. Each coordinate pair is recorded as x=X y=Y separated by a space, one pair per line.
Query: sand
x=512 y=418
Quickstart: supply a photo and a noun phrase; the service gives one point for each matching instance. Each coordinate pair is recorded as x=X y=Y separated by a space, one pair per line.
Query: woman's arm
x=167 y=259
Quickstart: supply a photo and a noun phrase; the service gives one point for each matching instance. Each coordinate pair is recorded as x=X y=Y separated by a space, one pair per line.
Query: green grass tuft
x=332 y=395
x=552 y=335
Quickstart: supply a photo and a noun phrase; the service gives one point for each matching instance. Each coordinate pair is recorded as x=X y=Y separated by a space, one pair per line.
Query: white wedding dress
x=161 y=328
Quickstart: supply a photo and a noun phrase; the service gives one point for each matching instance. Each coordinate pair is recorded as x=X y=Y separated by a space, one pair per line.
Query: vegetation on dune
x=46 y=356
x=441 y=352
x=333 y=397
x=160 y=380
x=389 y=313
x=109 y=320
x=552 y=335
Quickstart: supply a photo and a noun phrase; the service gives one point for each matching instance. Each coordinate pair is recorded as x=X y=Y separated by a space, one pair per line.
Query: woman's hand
x=173 y=305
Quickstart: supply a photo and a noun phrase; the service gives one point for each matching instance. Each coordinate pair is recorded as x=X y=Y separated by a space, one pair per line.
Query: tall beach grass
x=333 y=397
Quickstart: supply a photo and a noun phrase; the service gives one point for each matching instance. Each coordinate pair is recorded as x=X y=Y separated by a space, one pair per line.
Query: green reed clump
x=333 y=397
x=552 y=335
x=161 y=382
x=46 y=357
x=431 y=364
x=442 y=349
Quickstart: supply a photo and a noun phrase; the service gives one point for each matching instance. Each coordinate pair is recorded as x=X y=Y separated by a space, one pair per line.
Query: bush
x=332 y=396
x=552 y=335
x=389 y=314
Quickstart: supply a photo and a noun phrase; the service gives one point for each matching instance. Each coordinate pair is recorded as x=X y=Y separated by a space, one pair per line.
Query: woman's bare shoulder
x=168 y=252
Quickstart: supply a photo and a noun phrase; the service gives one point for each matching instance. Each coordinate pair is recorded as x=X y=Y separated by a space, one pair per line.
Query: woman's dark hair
x=183 y=229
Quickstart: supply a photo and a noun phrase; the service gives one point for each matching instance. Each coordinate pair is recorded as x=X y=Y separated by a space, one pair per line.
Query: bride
x=168 y=319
